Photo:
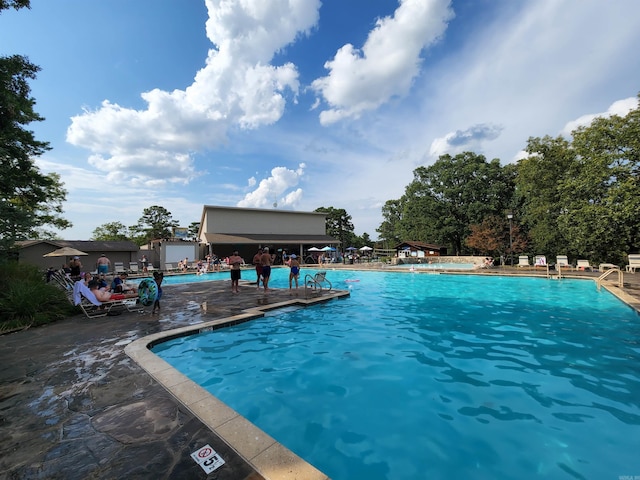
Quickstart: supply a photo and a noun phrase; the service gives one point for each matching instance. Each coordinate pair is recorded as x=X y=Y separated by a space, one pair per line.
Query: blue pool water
x=421 y=376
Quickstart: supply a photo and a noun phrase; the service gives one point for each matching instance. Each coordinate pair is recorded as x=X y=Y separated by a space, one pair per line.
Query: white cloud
x=237 y=88
x=459 y=141
x=620 y=108
x=389 y=61
x=271 y=190
x=530 y=68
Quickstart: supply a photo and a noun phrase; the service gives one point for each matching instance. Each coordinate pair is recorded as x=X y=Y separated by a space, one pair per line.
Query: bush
x=26 y=300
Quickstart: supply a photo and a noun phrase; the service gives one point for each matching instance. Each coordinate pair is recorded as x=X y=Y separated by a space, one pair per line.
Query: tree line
x=578 y=196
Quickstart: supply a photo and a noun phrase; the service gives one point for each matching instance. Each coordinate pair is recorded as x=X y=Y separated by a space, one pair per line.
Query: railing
x=316 y=283
x=609 y=272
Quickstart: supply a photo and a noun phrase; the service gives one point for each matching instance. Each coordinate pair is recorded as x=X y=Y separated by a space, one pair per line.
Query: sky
x=300 y=104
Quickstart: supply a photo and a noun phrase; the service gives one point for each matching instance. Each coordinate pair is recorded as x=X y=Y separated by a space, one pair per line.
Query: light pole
x=510 y=217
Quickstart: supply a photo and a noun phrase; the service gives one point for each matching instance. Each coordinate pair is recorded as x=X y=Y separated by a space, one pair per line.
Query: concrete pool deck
x=73 y=404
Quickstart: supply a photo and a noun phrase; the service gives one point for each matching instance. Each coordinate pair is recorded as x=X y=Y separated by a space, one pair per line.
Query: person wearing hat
x=103 y=264
x=234 y=263
x=294 y=273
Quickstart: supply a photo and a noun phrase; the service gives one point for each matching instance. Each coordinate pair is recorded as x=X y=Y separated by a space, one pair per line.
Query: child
x=158 y=277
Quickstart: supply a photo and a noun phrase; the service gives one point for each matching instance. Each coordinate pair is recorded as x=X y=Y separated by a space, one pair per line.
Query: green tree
x=15 y=4
x=111 y=231
x=389 y=229
x=156 y=222
x=538 y=186
x=338 y=224
x=601 y=193
x=29 y=200
x=193 y=229
x=446 y=198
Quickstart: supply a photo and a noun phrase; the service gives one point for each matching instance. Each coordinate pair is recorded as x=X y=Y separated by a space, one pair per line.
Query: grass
x=26 y=300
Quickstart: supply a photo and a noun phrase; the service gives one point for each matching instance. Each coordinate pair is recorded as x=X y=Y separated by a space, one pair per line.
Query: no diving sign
x=208 y=459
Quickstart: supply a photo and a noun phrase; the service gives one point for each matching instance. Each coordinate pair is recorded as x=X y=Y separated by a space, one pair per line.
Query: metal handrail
x=609 y=272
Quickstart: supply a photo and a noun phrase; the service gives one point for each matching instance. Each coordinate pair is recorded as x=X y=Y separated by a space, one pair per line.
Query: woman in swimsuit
x=295 y=270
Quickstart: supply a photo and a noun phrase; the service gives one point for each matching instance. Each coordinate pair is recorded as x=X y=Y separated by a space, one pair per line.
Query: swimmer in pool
x=294 y=273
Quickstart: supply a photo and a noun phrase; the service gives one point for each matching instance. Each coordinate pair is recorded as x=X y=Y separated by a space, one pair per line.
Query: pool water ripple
x=424 y=376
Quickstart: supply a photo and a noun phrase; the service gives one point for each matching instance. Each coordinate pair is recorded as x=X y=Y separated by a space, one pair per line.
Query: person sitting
x=120 y=285
x=105 y=296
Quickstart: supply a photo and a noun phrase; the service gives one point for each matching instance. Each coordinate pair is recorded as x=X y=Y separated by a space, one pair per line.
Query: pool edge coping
x=268 y=457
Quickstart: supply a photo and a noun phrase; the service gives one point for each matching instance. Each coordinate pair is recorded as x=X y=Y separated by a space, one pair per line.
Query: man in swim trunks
x=257 y=261
x=234 y=263
x=294 y=265
x=103 y=264
x=265 y=260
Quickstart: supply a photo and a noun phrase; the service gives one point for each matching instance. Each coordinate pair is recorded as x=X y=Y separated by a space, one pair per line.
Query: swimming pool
x=437 y=376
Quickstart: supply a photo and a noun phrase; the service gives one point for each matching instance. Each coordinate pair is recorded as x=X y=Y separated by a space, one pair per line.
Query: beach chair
x=523 y=261
x=118 y=268
x=634 y=262
x=169 y=267
x=150 y=268
x=584 y=265
x=79 y=295
x=133 y=267
x=540 y=261
x=562 y=261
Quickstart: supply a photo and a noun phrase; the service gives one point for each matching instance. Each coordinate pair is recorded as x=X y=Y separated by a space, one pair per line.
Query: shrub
x=26 y=300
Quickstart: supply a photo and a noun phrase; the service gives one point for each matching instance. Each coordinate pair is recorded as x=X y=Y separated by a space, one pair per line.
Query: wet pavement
x=73 y=405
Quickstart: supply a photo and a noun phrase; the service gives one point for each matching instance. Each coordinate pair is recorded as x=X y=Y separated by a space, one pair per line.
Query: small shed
x=419 y=250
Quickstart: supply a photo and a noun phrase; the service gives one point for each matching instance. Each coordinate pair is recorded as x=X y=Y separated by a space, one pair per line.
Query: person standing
x=103 y=264
x=266 y=261
x=294 y=272
x=158 y=277
x=257 y=261
x=234 y=264
x=144 y=263
x=75 y=266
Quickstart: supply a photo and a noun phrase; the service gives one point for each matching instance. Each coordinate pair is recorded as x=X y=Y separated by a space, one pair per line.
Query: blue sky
x=304 y=103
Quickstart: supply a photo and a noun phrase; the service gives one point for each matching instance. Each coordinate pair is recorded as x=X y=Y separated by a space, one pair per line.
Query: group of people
x=263 y=261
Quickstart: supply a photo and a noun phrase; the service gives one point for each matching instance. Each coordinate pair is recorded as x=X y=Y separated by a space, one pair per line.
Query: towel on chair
x=79 y=290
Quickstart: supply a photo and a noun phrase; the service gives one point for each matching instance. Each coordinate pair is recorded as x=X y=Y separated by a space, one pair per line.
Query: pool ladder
x=601 y=278
x=316 y=283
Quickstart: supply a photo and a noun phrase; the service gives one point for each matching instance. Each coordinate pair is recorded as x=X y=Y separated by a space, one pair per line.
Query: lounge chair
x=562 y=261
x=133 y=267
x=634 y=262
x=540 y=261
x=170 y=267
x=150 y=268
x=118 y=268
x=523 y=261
x=584 y=265
x=79 y=295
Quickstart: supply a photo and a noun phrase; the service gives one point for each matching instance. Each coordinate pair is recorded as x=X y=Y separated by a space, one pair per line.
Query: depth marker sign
x=208 y=459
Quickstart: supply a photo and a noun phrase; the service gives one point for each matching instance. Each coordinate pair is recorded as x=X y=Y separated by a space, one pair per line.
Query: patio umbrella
x=351 y=248
x=365 y=249
x=314 y=249
x=65 y=252
x=328 y=249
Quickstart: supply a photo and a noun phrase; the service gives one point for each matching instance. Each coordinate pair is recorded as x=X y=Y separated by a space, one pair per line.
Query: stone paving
x=73 y=405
